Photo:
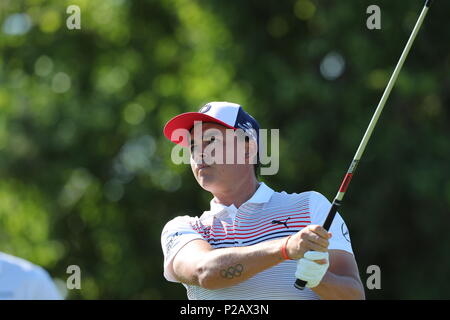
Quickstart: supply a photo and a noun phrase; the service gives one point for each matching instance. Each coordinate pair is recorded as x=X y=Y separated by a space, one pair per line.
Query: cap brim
x=186 y=121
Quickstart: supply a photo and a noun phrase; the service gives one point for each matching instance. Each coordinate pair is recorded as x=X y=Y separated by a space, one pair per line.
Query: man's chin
x=207 y=183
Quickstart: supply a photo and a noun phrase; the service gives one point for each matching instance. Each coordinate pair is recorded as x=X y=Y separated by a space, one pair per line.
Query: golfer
x=253 y=242
x=23 y=280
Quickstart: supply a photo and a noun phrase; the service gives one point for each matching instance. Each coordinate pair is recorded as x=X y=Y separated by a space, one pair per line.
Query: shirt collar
x=261 y=195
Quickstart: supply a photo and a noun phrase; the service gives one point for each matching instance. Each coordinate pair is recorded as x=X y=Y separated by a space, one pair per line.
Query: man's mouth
x=201 y=166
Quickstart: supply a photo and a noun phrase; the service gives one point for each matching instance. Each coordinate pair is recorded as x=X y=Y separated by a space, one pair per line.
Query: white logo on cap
x=245 y=126
x=205 y=108
x=248 y=128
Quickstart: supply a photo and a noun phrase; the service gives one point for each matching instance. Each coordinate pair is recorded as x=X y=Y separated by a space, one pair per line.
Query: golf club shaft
x=300 y=284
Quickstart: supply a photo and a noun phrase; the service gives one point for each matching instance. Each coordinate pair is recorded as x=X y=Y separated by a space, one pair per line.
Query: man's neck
x=237 y=195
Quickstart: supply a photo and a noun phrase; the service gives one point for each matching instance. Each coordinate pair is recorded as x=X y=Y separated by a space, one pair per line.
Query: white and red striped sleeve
x=319 y=206
x=176 y=234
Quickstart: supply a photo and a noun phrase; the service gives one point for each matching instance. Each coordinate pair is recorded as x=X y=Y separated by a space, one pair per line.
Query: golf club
x=299 y=283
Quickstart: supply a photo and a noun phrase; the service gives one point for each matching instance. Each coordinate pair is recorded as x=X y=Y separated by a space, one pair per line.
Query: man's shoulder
x=312 y=199
x=183 y=219
x=180 y=221
x=19 y=267
x=310 y=195
x=16 y=262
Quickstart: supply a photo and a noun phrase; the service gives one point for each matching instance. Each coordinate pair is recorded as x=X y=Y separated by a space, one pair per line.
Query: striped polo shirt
x=267 y=215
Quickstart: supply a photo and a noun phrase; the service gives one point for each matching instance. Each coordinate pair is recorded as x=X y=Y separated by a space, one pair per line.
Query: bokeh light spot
x=61 y=82
x=332 y=66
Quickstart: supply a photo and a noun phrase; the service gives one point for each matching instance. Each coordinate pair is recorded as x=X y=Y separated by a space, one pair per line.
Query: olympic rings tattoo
x=232 y=272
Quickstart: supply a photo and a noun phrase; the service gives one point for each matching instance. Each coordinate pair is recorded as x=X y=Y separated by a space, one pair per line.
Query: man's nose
x=199 y=157
x=199 y=154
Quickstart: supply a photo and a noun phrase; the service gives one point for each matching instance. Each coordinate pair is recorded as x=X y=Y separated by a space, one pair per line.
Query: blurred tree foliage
x=86 y=175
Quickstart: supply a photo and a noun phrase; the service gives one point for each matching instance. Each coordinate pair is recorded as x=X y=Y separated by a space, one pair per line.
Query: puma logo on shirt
x=284 y=222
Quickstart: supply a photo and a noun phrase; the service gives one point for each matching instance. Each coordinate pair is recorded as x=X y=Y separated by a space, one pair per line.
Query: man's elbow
x=357 y=291
x=206 y=278
x=196 y=273
x=356 y=294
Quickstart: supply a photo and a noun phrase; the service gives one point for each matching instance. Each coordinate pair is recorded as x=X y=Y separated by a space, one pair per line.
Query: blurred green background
x=85 y=172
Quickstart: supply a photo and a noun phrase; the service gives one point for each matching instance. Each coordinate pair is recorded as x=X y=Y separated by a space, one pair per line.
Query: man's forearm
x=226 y=267
x=336 y=287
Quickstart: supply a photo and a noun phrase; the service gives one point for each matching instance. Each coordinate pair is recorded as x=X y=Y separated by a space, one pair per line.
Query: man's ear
x=251 y=152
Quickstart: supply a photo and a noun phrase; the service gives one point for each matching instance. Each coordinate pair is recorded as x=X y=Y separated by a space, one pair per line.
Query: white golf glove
x=311 y=271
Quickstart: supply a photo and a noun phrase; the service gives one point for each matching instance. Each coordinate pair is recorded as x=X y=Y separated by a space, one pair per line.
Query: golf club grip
x=300 y=284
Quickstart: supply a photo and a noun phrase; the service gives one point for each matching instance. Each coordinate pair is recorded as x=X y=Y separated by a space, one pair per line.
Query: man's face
x=216 y=157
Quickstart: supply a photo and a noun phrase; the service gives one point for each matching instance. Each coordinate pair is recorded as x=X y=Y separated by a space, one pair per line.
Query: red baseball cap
x=230 y=115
